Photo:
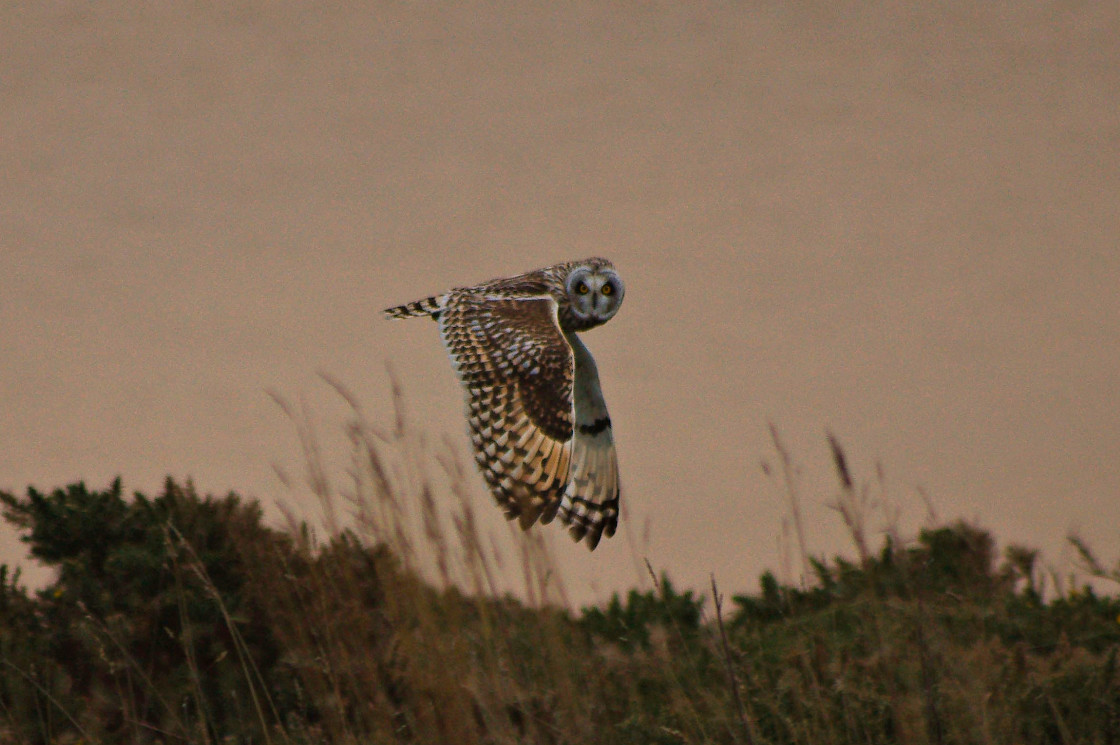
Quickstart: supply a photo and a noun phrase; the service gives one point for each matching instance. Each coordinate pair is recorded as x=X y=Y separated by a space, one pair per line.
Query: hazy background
x=896 y=221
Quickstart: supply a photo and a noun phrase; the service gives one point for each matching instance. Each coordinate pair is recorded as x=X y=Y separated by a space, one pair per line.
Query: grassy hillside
x=184 y=618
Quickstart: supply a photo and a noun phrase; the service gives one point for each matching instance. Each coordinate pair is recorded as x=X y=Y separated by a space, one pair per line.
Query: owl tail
x=429 y=306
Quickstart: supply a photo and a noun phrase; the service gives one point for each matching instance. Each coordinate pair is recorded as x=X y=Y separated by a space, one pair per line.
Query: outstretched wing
x=589 y=505
x=524 y=384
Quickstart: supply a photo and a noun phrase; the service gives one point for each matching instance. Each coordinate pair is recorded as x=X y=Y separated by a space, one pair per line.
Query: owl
x=539 y=425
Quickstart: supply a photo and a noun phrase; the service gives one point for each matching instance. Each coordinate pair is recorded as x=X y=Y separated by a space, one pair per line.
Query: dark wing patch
x=539 y=361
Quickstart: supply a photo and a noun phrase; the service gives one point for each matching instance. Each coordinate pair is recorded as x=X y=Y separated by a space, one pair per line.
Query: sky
x=895 y=222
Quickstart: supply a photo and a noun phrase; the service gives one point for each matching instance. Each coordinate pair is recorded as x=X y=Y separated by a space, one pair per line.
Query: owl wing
x=542 y=448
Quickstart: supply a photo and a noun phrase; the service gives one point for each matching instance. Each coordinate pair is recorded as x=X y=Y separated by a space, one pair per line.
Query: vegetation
x=184 y=618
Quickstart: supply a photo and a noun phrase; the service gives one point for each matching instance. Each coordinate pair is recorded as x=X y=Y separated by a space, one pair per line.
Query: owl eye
x=582 y=288
x=608 y=289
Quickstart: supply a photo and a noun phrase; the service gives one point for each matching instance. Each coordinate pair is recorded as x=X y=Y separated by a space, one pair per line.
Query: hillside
x=181 y=617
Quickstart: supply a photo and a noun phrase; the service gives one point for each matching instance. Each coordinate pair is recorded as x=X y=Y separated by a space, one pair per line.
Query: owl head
x=594 y=291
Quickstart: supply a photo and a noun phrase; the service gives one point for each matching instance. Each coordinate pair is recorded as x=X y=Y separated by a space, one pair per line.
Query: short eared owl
x=541 y=434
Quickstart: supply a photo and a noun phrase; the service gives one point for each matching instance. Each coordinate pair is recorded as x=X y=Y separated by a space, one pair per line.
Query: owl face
x=595 y=293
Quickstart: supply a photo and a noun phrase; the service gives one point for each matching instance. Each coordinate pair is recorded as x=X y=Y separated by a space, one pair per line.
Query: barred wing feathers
x=538 y=422
x=429 y=306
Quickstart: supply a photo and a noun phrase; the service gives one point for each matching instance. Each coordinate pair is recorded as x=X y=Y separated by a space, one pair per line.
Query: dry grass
x=397 y=625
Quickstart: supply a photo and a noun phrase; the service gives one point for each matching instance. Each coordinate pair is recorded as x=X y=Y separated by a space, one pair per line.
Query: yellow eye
x=608 y=289
x=582 y=288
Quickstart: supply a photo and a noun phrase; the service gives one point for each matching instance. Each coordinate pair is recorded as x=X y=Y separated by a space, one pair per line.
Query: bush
x=146 y=631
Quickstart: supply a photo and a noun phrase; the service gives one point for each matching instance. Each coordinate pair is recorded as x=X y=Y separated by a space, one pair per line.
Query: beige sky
x=894 y=221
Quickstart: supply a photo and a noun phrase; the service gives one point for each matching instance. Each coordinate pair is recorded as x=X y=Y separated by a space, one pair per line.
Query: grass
x=183 y=618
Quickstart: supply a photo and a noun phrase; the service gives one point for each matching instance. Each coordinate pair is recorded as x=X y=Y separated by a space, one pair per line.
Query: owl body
x=539 y=425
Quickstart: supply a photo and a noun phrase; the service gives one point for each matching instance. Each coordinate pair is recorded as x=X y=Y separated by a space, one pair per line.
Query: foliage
x=141 y=633
x=183 y=618
x=631 y=623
